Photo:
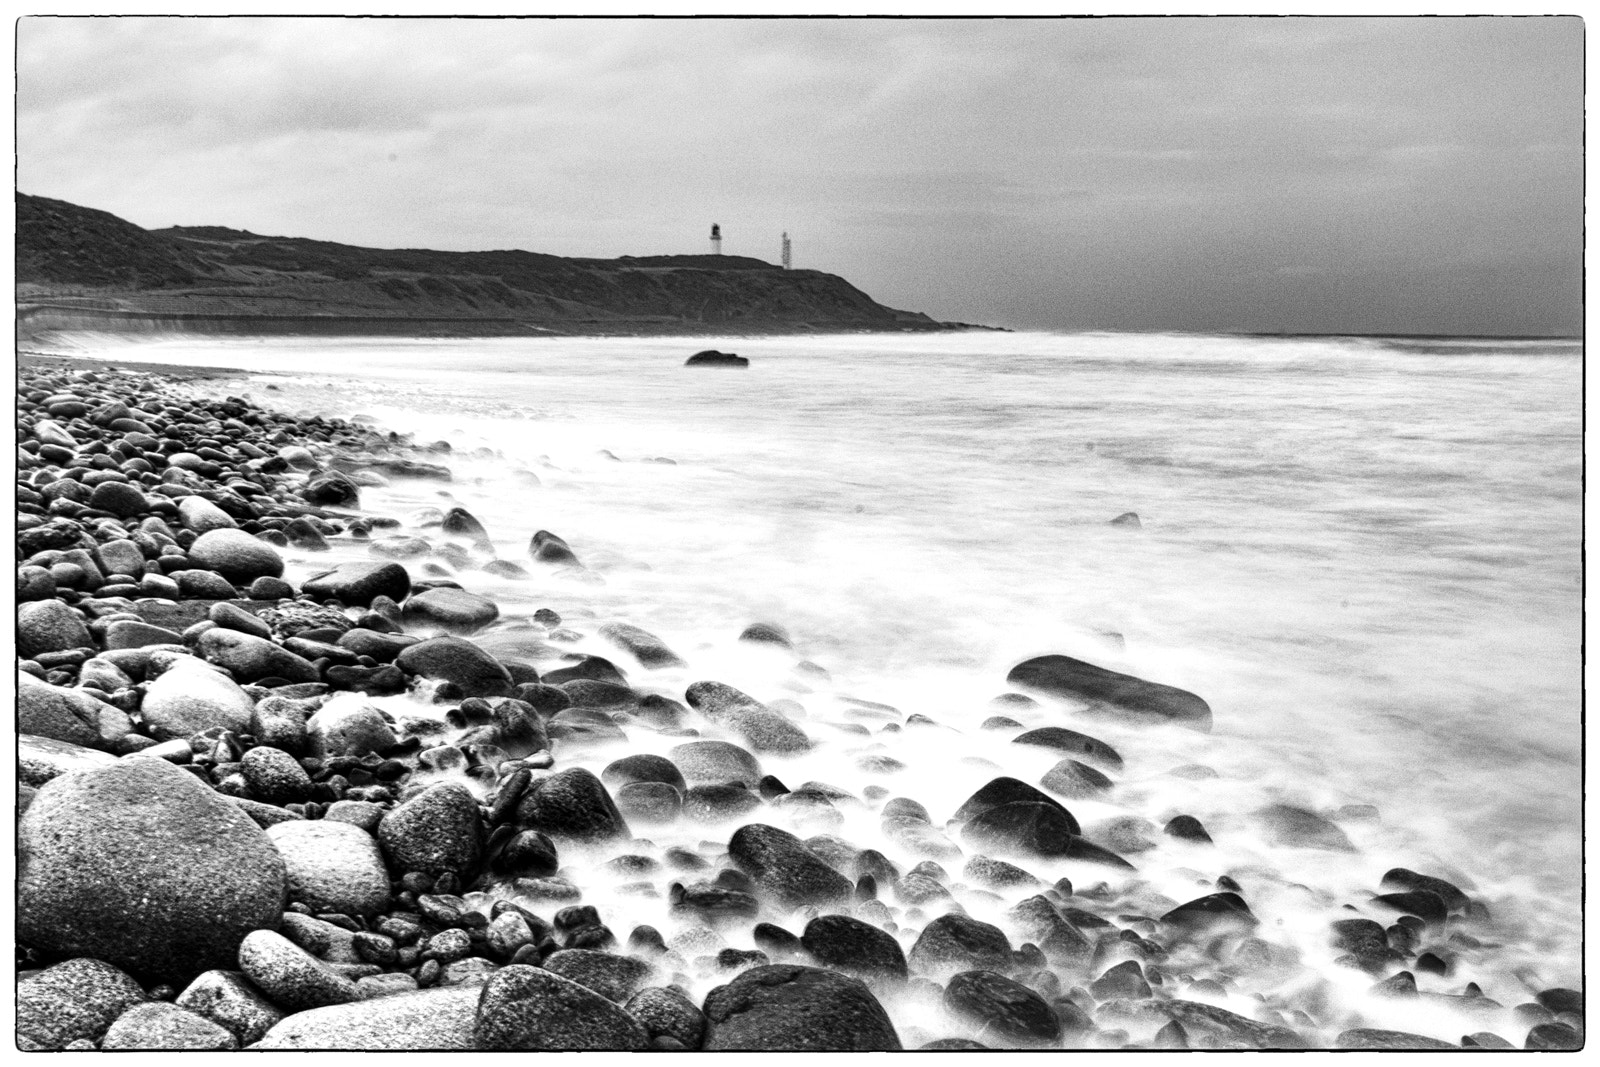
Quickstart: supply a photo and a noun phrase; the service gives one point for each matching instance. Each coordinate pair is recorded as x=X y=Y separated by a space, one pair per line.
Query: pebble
x=289 y=976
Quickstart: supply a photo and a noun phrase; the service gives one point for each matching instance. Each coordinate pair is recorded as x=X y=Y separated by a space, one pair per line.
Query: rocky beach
x=296 y=772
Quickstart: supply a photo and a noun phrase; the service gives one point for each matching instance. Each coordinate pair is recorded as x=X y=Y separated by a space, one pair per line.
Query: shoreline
x=519 y=689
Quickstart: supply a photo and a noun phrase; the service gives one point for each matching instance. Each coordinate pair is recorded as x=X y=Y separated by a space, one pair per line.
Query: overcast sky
x=1384 y=175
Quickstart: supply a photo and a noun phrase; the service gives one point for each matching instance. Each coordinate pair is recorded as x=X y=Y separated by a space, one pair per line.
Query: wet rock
x=1287 y=825
x=1003 y=1008
x=1553 y=1037
x=142 y=865
x=765 y=633
x=782 y=866
x=250 y=658
x=1400 y=879
x=192 y=697
x=642 y=768
x=332 y=866
x=228 y=999
x=762 y=728
x=121 y=499
x=1076 y=780
x=528 y=1008
x=452 y=659
x=1037 y=829
x=617 y=978
x=1119 y=695
x=956 y=942
x=460 y=522
x=665 y=1012
x=50 y=626
x=166 y=1027
x=438 y=831
x=291 y=977
x=1423 y=903
x=1080 y=745
x=1001 y=791
x=715 y=762
x=1217 y=912
x=342 y=727
x=358 y=584
x=331 y=490
x=646 y=647
x=67 y=715
x=997 y=873
x=718 y=803
x=845 y=944
x=202 y=516
x=651 y=802
x=546 y=547
x=429 y=1019
x=1125 y=980
x=1387 y=1040
x=71 y=1001
x=1559 y=1000
x=275 y=777
x=574 y=805
x=451 y=610
x=712 y=358
x=1186 y=828
x=236 y=556
x=788 y=1007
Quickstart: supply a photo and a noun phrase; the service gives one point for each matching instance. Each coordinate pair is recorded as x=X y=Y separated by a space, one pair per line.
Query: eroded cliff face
x=78 y=268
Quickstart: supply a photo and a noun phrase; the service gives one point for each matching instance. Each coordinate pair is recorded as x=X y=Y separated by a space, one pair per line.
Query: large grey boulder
x=332 y=866
x=142 y=865
x=75 y=1000
x=426 y=1020
x=249 y=658
x=192 y=696
x=455 y=660
x=39 y=759
x=789 y=1008
x=356 y=585
x=202 y=516
x=50 y=626
x=438 y=830
x=236 y=556
x=526 y=1008
x=166 y=1027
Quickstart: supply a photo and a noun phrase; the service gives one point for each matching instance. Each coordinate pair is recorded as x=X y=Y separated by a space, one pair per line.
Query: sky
x=1251 y=174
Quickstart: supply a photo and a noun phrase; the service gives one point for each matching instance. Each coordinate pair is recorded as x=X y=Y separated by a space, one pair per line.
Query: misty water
x=1364 y=554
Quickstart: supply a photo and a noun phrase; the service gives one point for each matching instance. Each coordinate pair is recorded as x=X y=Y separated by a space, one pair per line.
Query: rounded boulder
x=332 y=866
x=785 y=1007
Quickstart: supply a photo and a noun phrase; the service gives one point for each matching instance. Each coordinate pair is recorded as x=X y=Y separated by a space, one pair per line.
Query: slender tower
x=786 y=250
x=716 y=239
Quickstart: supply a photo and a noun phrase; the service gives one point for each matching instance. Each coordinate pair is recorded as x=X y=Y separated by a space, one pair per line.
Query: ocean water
x=1363 y=553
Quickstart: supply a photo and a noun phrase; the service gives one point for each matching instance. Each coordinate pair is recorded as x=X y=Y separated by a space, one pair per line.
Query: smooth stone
x=1002 y=1008
x=665 y=1011
x=332 y=866
x=119 y=498
x=233 y=617
x=1388 y=1040
x=715 y=762
x=1122 y=695
x=228 y=999
x=782 y=866
x=617 y=978
x=642 y=768
x=526 y=1008
x=1212 y=913
x=250 y=658
x=425 y=1020
x=126 y=633
x=646 y=647
x=1002 y=791
x=290 y=976
x=764 y=729
x=191 y=697
x=785 y=1007
x=348 y=727
x=846 y=944
x=546 y=547
x=202 y=516
x=1033 y=828
x=1076 y=780
x=50 y=626
x=650 y=802
x=437 y=831
x=1064 y=740
x=71 y=1001
x=142 y=865
x=1289 y=826
x=1400 y=879
x=957 y=942
x=452 y=610
x=452 y=659
x=67 y=715
x=40 y=759
x=766 y=633
x=166 y=1027
x=573 y=805
x=358 y=584
x=236 y=556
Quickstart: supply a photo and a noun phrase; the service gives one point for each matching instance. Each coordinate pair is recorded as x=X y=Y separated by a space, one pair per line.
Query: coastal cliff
x=79 y=268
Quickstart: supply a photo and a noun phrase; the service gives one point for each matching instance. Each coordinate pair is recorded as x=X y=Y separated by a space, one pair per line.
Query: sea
x=1364 y=553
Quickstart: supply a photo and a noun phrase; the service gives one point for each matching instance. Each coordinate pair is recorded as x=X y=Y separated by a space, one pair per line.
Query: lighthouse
x=716 y=239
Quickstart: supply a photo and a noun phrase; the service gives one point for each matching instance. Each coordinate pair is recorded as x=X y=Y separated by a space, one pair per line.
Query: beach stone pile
x=224 y=844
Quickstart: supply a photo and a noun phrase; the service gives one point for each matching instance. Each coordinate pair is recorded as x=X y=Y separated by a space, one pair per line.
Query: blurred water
x=1364 y=554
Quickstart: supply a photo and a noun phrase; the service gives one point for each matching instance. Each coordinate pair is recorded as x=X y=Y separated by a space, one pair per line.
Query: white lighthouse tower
x=716 y=239
x=786 y=262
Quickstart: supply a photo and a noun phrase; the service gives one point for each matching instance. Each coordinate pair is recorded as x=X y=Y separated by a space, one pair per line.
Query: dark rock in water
x=1208 y=914
x=1039 y=829
x=1387 y=1040
x=999 y=722
x=332 y=490
x=1401 y=879
x=1186 y=828
x=572 y=804
x=1285 y=824
x=716 y=803
x=614 y=977
x=1363 y=939
x=775 y=940
x=1082 y=745
x=1208 y=1019
x=785 y=1007
x=765 y=730
x=1120 y=694
x=525 y=854
x=1401 y=984
x=651 y=802
x=586 y=693
x=546 y=547
x=782 y=865
x=1086 y=852
x=1076 y=780
x=358 y=584
x=462 y=523
x=850 y=945
x=959 y=943
x=665 y=1012
x=997 y=873
x=646 y=647
x=1002 y=1007
x=140 y=864
x=765 y=633
x=642 y=768
x=1484 y=1039
x=514 y=728
x=1560 y=1000
x=712 y=358
x=715 y=762
x=75 y=1000
x=528 y=1008
x=1424 y=904
x=453 y=610
x=1001 y=791
x=438 y=831
x=1127 y=518
x=1553 y=1037
x=586 y=669
x=455 y=660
